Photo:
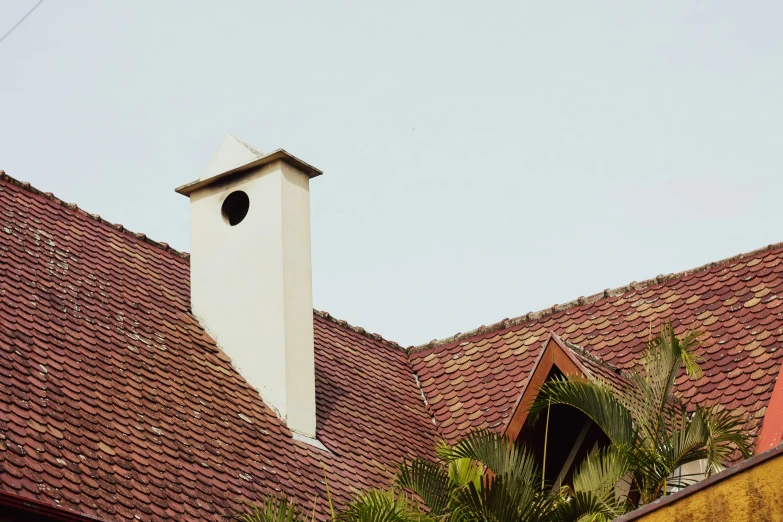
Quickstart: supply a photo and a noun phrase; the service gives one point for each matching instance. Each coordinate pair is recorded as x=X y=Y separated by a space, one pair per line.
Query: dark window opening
x=572 y=436
x=235 y=207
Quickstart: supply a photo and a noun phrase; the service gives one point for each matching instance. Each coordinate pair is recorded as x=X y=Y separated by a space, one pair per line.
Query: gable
x=554 y=355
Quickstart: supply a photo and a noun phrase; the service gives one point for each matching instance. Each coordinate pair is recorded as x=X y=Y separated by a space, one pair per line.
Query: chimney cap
x=234 y=156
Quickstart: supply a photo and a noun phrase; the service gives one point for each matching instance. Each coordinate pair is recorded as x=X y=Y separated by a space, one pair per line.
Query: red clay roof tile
x=118 y=404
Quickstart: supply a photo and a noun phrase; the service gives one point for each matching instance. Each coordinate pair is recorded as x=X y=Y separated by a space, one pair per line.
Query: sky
x=481 y=159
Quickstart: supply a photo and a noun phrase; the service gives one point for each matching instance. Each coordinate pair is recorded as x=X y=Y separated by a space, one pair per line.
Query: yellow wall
x=754 y=494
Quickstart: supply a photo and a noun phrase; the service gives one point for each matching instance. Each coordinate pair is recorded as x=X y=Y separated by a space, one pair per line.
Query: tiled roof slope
x=473 y=380
x=115 y=403
x=600 y=369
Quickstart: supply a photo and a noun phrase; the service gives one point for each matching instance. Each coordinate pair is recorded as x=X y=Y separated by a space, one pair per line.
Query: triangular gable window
x=564 y=435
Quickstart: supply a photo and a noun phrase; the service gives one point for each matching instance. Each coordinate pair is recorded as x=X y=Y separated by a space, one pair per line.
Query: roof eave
x=34 y=506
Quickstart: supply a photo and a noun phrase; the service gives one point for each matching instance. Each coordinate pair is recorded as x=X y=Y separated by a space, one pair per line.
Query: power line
x=17 y=24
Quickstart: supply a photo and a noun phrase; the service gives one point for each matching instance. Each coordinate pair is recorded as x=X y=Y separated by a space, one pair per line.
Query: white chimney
x=250 y=272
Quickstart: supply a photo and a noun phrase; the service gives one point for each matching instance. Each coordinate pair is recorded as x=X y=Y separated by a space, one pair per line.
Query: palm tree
x=274 y=509
x=482 y=478
x=652 y=432
x=487 y=478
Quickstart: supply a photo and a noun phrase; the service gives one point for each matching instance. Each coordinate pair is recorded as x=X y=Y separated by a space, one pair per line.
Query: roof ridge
x=609 y=292
x=583 y=352
x=25 y=185
x=359 y=330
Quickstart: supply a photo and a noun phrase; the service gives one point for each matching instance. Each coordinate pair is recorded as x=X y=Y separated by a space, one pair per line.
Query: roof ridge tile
x=583 y=352
x=581 y=301
x=359 y=330
x=25 y=185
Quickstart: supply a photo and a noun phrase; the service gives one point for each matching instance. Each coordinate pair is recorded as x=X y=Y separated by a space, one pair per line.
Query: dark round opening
x=235 y=207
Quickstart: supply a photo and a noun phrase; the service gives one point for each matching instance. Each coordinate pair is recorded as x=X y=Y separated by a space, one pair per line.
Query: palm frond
x=594 y=398
x=686 y=350
x=683 y=443
x=581 y=506
x=498 y=454
x=511 y=492
x=503 y=499
x=602 y=471
x=429 y=480
x=666 y=354
x=595 y=494
x=378 y=505
x=726 y=434
x=273 y=509
x=465 y=471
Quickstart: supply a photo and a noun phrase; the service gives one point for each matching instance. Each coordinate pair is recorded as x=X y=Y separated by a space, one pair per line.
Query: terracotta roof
x=598 y=368
x=474 y=380
x=114 y=403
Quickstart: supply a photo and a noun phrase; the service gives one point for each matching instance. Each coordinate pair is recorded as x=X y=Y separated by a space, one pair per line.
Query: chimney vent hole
x=235 y=207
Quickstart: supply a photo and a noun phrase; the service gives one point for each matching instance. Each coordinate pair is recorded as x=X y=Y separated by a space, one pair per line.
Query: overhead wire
x=17 y=24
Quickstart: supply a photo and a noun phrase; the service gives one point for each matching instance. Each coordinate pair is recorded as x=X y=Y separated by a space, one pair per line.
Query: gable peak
x=230 y=154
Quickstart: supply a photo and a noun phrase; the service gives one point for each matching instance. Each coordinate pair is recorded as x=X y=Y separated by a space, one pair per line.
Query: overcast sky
x=482 y=159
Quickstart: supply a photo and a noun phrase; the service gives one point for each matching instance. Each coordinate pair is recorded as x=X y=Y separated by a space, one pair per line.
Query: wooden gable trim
x=555 y=353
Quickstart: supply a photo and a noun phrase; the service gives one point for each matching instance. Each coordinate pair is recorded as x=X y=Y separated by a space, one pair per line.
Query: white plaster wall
x=298 y=295
x=690 y=473
x=251 y=286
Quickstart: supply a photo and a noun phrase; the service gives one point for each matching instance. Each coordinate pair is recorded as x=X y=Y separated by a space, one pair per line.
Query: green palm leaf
x=384 y=506
x=595 y=483
x=273 y=509
x=429 y=480
x=653 y=433
x=583 y=506
x=594 y=398
x=496 y=453
x=727 y=434
x=601 y=471
x=503 y=499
